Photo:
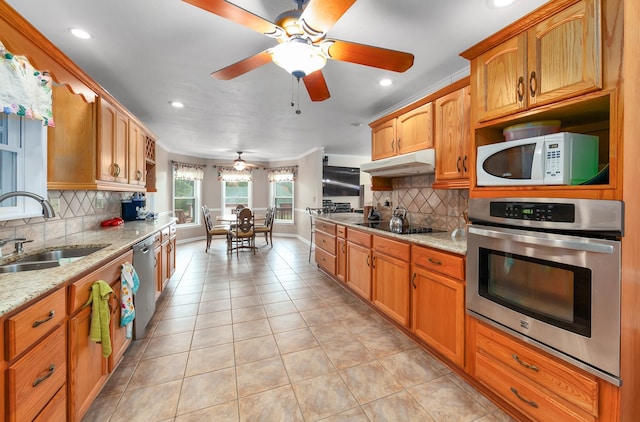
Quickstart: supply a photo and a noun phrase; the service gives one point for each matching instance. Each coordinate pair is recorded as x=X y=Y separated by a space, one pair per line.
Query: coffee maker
x=134 y=207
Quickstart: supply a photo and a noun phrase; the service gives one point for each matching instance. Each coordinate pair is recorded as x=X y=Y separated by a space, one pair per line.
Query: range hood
x=419 y=162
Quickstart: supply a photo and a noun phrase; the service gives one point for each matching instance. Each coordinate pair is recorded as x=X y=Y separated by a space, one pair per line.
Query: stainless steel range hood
x=419 y=162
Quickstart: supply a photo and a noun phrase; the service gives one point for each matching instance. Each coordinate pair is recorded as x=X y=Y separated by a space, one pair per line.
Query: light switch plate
x=99 y=203
x=55 y=204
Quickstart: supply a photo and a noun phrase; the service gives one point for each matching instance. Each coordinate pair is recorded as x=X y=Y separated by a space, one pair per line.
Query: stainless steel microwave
x=557 y=159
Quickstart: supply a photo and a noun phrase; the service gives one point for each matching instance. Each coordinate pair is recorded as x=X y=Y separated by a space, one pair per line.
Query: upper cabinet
x=112 y=143
x=137 y=147
x=411 y=131
x=559 y=57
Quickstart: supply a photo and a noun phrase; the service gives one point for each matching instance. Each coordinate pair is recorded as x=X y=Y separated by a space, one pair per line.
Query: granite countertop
x=18 y=288
x=441 y=240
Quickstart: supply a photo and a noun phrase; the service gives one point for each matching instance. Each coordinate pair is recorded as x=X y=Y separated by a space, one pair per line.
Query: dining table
x=231 y=218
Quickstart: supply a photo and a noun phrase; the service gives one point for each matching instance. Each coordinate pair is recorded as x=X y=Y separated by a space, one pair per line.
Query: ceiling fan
x=240 y=164
x=302 y=48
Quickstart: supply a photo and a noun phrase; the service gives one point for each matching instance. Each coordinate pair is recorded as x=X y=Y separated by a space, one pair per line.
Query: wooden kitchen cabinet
x=341 y=253
x=359 y=262
x=325 y=240
x=137 y=155
x=168 y=253
x=452 y=139
x=157 y=263
x=558 y=58
x=438 y=301
x=390 y=278
x=112 y=143
x=409 y=132
x=119 y=340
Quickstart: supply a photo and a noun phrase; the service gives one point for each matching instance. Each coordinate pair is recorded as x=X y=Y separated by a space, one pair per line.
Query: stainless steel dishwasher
x=144 y=300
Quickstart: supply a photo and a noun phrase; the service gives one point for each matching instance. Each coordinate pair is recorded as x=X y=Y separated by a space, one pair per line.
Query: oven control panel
x=538 y=211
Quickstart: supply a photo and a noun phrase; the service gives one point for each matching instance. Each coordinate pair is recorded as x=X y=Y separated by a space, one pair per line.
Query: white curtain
x=229 y=174
x=282 y=174
x=187 y=171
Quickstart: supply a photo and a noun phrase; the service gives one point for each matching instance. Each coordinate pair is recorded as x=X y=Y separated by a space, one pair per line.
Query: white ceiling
x=149 y=52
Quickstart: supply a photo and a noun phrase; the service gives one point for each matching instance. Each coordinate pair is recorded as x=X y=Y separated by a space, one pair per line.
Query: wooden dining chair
x=214 y=230
x=267 y=228
x=243 y=235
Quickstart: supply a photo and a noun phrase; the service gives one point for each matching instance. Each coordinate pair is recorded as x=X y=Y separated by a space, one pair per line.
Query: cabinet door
x=87 y=367
x=137 y=160
x=158 y=270
x=565 y=55
x=391 y=290
x=452 y=135
x=438 y=313
x=112 y=144
x=415 y=129
x=383 y=140
x=119 y=340
x=165 y=262
x=172 y=256
x=359 y=269
x=500 y=78
x=341 y=259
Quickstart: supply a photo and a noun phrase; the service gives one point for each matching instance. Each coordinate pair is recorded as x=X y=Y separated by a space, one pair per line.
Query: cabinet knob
x=393 y=145
x=116 y=169
x=520 y=88
x=533 y=84
x=464 y=163
x=138 y=175
x=37 y=381
x=413 y=281
x=529 y=402
x=458 y=164
x=42 y=321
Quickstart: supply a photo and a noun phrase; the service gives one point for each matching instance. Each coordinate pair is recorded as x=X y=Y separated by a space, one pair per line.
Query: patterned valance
x=282 y=174
x=24 y=91
x=188 y=171
x=229 y=174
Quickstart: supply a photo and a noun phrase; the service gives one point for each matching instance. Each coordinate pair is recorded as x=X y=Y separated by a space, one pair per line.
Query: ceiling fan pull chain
x=298 y=111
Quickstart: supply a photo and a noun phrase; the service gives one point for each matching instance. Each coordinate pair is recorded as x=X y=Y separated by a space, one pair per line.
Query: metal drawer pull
x=525 y=364
x=435 y=261
x=529 y=402
x=413 y=281
x=52 y=369
x=42 y=321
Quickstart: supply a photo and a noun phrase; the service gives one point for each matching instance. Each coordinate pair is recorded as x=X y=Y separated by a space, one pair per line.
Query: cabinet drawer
x=359 y=238
x=26 y=327
x=393 y=248
x=165 y=234
x=341 y=231
x=56 y=409
x=326 y=242
x=567 y=383
x=526 y=396
x=442 y=262
x=326 y=260
x=323 y=226
x=79 y=290
x=37 y=377
x=157 y=239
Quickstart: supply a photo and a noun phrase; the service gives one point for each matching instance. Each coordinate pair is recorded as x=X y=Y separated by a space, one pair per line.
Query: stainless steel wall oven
x=548 y=272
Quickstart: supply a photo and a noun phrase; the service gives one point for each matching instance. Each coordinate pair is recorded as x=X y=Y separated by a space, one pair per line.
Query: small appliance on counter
x=134 y=208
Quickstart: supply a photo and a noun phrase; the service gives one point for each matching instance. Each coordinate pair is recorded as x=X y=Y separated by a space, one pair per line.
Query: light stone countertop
x=442 y=240
x=18 y=288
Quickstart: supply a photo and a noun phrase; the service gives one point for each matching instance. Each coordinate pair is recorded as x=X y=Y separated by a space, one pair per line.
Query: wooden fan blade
x=320 y=15
x=368 y=55
x=316 y=86
x=243 y=66
x=238 y=15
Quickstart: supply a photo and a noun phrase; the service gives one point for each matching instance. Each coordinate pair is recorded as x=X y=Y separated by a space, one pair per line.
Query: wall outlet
x=99 y=203
x=55 y=204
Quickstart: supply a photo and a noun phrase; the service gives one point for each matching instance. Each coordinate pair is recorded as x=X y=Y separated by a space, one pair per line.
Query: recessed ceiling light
x=496 y=4
x=80 y=33
x=176 y=104
x=357 y=124
x=385 y=82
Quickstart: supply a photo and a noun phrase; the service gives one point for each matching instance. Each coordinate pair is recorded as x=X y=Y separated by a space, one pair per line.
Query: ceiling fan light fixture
x=298 y=57
x=497 y=4
x=239 y=164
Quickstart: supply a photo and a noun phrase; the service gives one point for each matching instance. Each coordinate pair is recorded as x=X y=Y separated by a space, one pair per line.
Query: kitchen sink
x=47 y=259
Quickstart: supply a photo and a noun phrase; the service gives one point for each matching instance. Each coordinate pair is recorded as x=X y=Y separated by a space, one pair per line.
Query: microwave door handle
x=554 y=243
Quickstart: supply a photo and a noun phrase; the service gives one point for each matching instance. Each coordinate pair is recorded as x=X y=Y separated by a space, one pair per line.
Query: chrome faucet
x=47 y=209
x=19 y=241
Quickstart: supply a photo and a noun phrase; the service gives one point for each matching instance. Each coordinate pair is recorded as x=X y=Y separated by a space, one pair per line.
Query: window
x=187 y=191
x=234 y=193
x=282 y=182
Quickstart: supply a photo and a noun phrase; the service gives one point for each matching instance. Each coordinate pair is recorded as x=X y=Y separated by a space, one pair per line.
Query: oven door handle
x=554 y=243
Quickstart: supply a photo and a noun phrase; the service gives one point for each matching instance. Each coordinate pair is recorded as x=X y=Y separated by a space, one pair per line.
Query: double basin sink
x=48 y=258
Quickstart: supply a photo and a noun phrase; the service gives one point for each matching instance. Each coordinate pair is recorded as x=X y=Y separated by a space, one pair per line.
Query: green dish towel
x=100 y=315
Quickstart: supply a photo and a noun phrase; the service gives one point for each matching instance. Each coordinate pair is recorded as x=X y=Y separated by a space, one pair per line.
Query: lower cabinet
x=325 y=240
x=438 y=301
x=168 y=253
x=341 y=259
x=390 y=278
x=359 y=262
x=157 y=263
x=119 y=340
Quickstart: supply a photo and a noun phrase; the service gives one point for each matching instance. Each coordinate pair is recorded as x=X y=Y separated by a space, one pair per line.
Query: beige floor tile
x=352 y=415
x=369 y=381
x=445 y=401
x=318 y=316
x=396 y=407
x=174 y=326
x=158 y=371
x=280 y=308
x=347 y=354
x=262 y=375
x=301 y=293
x=386 y=342
x=363 y=325
x=269 y=288
x=213 y=319
x=251 y=329
x=168 y=345
x=274 y=297
x=206 y=390
x=279 y=404
x=309 y=304
x=211 y=295
x=286 y=322
x=180 y=311
x=210 y=359
x=292 y=341
x=179 y=299
x=323 y=396
x=214 y=306
x=255 y=349
x=188 y=289
x=215 y=285
x=245 y=301
x=410 y=367
x=332 y=332
x=225 y=412
x=119 y=379
x=212 y=336
x=239 y=291
x=102 y=408
x=142 y=404
x=248 y=314
x=348 y=311
x=307 y=364
x=475 y=394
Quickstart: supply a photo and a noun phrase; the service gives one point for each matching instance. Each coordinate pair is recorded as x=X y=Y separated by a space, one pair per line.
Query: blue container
x=130 y=209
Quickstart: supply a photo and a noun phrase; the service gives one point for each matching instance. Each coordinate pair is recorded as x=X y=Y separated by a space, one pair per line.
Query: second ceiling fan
x=302 y=48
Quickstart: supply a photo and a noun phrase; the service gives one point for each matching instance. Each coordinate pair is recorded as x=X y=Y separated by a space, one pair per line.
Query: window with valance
x=229 y=174
x=187 y=171
x=187 y=191
x=282 y=174
x=282 y=189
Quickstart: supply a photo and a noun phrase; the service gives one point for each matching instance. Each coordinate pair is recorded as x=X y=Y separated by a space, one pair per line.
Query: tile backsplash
x=438 y=208
x=78 y=210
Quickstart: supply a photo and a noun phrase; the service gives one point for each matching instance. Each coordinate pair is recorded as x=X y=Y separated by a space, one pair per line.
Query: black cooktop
x=384 y=226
